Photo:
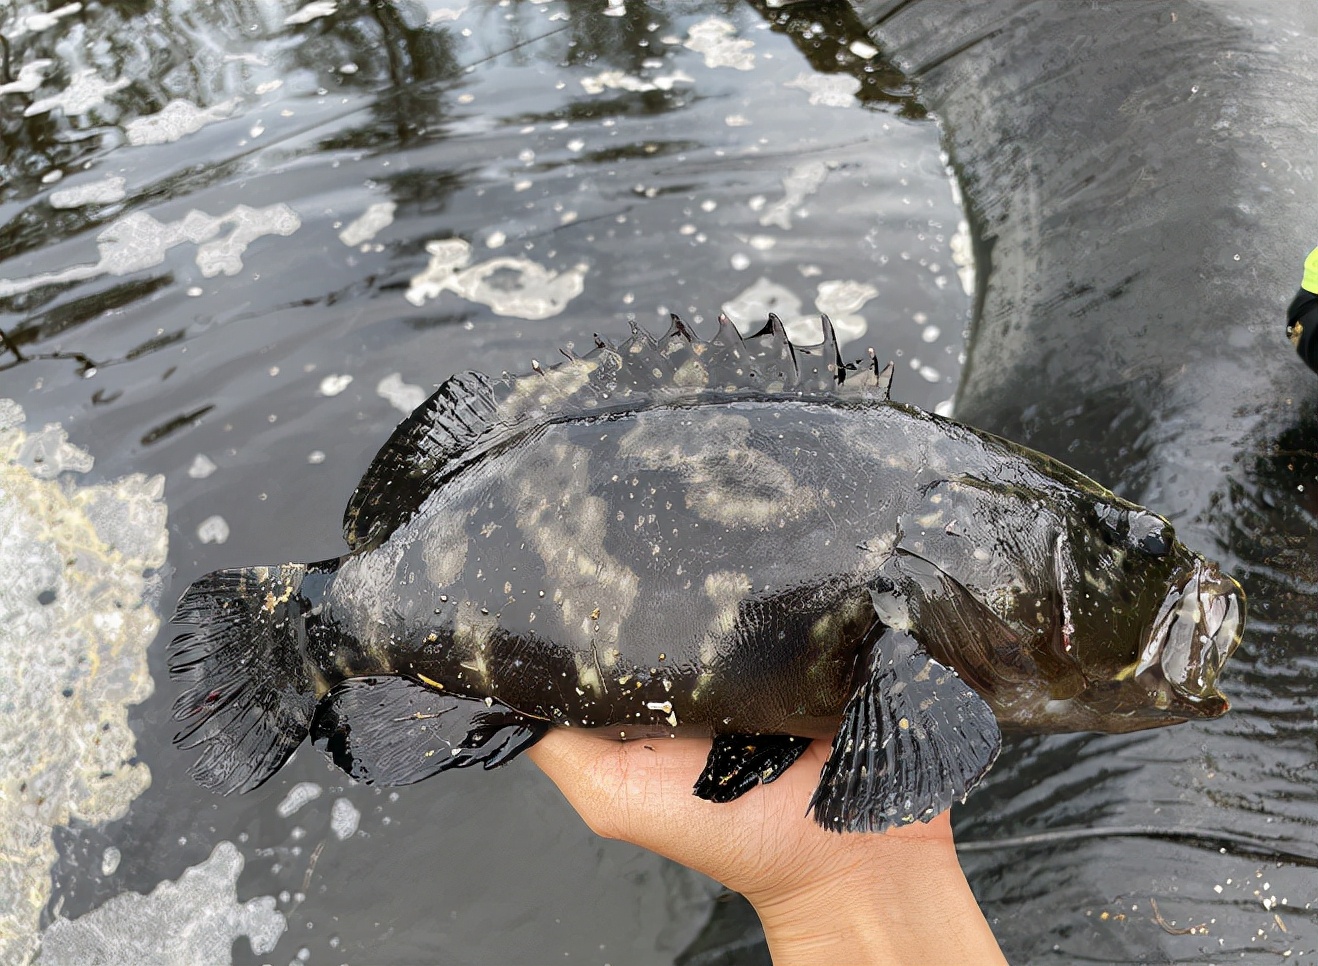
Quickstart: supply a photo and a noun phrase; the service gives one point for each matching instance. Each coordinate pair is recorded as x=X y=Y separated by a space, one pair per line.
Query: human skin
x=823 y=897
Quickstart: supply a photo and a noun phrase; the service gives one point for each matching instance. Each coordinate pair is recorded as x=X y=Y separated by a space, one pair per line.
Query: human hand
x=896 y=897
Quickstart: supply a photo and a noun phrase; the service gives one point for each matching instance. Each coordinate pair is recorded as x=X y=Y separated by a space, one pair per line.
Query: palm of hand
x=763 y=845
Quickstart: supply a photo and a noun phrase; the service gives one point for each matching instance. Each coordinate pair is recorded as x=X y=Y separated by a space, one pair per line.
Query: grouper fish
x=739 y=538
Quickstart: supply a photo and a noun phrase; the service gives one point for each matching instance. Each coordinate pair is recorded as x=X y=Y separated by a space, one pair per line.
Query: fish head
x=1149 y=622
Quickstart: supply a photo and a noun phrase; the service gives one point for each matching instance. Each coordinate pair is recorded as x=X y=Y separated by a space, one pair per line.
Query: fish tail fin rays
x=392 y=730
x=252 y=688
x=914 y=739
x=737 y=763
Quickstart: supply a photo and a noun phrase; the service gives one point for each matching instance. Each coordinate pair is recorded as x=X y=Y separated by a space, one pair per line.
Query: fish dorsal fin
x=471 y=412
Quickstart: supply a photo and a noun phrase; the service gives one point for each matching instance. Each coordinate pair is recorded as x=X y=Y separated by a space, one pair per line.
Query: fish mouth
x=1195 y=632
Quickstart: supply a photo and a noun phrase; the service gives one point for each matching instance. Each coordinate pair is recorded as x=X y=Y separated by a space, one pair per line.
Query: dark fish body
x=740 y=539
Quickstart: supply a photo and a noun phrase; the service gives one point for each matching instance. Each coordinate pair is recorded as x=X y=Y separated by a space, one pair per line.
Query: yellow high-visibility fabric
x=1310 y=283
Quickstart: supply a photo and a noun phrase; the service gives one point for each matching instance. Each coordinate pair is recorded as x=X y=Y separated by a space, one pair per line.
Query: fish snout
x=1198 y=628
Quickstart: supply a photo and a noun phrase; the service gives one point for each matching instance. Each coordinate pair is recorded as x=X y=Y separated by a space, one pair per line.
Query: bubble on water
x=740 y=261
x=344 y=818
x=214 y=529
x=930 y=333
x=109 y=860
x=334 y=384
x=299 y=795
x=403 y=396
x=201 y=467
x=368 y=224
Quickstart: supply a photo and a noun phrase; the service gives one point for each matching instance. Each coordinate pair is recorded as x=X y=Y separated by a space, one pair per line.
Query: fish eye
x=1151 y=534
x=1111 y=521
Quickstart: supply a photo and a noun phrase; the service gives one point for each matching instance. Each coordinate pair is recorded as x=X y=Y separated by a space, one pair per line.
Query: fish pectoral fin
x=737 y=763
x=392 y=730
x=914 y=739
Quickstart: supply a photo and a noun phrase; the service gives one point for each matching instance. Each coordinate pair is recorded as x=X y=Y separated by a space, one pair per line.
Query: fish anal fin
x=914 y=739
x=737 y=763
x=395 y=731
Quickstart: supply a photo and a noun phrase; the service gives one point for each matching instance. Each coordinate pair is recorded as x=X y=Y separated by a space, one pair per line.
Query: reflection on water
x=238 y=237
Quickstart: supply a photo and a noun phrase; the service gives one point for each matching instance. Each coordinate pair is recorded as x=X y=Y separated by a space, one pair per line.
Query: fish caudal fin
x=253 y=689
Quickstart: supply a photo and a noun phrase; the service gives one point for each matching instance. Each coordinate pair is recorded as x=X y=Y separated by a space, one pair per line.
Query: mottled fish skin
x=692 y=570
x=739 y=538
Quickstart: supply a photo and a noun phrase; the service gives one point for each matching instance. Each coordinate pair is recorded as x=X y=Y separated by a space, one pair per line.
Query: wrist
x=895 y=899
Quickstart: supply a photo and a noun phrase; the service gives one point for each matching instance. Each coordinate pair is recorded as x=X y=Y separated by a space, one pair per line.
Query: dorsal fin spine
x=471 y=413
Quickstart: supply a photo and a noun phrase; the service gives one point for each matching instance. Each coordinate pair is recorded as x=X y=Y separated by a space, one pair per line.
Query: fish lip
x=1196 y=630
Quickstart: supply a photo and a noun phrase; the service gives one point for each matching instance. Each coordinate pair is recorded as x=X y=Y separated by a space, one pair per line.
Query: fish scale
x=740 y=539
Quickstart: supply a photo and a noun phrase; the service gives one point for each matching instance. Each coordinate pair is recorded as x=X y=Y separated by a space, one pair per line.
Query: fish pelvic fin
x=251 y=686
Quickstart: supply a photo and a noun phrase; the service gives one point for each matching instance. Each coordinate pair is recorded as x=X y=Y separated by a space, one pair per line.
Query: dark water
x=1139 y=179
x=1142 y=193
x=186 y=287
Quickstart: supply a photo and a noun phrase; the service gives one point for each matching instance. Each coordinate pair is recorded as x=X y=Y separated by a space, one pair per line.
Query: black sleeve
x=1302 y=327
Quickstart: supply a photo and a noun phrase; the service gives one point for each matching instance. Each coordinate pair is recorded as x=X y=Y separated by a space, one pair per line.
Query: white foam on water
x=509 y=285
x=214 y=529
x=827 y=90
x=334 y=384
x=311 y=11
x=403 y=396
x=30 y=76
x=202 y=467
x=138 y=241
x=77 y=565
x=800 y=182
x=344 y=818
x=87 y=90
x=841 y=300
x=616 y=80
x=103 y=192
x=193 y=920
x=299 y=795
x=370 y=223
x=716 y=40
x=176 y=120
